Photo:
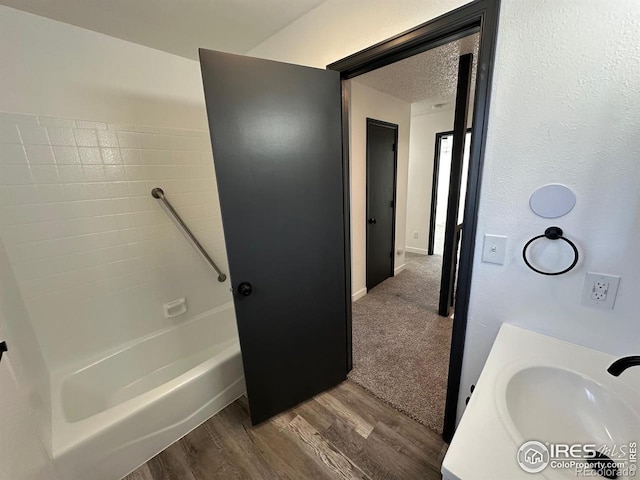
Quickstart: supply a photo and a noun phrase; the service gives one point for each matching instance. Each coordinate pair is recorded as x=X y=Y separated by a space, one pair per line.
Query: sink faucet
x=622 y=364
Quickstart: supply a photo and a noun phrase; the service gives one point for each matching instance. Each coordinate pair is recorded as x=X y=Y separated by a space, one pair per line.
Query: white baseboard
x=419 y=251
x=358 y=295
x=397 y=270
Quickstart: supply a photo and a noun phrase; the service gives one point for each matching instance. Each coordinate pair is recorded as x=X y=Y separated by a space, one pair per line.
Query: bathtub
x=114 y=413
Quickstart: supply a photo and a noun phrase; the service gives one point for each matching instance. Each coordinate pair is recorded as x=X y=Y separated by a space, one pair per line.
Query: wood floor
x=344 y=433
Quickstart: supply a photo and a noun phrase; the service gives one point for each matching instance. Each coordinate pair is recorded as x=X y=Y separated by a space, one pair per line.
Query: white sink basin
x=561 y=406
x=535 y=388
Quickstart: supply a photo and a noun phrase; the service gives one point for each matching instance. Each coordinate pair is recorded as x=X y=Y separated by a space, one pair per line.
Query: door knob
x=245 y=289
x=371 y=221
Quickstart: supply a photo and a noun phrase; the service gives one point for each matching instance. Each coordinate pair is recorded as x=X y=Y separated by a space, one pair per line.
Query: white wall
x=565 y=108
x=421 y=160
x=30 y=375
x=23 y=456
x=94 y=255
x=52 y=68
x=337 y=28
x=367 y=102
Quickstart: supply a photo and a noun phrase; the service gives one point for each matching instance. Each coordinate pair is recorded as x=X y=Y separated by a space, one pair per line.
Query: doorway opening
x=440 y=188
x=401 y=340
x=481 y=17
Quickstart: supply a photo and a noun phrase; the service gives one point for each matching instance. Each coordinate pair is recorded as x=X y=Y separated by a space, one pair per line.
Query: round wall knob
x=371 y=221
x=245 y=289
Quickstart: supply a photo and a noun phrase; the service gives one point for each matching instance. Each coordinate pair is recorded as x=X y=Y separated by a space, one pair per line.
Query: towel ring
x=552 y=233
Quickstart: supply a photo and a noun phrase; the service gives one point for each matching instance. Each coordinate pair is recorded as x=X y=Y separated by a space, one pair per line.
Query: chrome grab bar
x=159 y=194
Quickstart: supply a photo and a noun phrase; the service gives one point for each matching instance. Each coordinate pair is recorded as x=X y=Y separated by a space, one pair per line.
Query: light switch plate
x=495 y=249
x=600 y=290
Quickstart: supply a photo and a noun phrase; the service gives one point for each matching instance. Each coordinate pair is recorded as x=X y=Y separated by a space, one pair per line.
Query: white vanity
x=538 y=388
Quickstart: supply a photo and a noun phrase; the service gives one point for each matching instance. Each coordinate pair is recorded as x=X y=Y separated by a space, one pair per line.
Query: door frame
x=395 y=128
x=434 y=190
x=479 y=16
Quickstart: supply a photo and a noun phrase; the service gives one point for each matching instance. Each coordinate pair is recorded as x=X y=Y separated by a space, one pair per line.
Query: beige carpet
x=401 y=345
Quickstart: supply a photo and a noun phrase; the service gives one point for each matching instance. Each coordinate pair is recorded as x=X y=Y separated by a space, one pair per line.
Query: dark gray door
x=276 y=134
x=453 y=231
x=382 y=138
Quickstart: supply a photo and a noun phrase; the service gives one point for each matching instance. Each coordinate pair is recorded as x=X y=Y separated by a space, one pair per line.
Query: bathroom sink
x=539 y=389
x=561 y=406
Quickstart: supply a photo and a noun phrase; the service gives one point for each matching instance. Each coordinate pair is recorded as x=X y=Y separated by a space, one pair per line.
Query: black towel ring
x=552 y=233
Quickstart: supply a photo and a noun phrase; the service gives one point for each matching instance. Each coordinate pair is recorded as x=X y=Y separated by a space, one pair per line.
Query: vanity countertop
x=534 y=386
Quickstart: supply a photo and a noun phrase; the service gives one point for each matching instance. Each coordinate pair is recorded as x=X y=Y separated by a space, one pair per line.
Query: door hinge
x=391 y=203
x=393 y=147
x=391 y=254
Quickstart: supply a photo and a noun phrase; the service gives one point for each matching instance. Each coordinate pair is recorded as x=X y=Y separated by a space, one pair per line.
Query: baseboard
x=419 y=251
x=358 y=295
x=397 y=270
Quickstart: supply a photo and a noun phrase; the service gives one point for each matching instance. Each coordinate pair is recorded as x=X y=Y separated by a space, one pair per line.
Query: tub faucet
x=622 y=364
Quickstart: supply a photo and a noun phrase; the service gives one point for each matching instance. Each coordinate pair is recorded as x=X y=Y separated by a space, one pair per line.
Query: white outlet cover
x=612 y=292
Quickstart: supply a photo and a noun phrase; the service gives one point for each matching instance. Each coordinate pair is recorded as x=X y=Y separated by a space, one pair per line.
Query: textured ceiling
x=427 y=79
x=179 y=27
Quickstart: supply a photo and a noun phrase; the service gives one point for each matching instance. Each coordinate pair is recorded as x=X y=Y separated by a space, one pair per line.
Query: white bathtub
x=116 y=412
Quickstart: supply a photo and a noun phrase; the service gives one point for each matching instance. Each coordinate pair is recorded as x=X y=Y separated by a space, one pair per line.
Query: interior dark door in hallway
x=453 y=231
x=276 y=134
x=382 y=139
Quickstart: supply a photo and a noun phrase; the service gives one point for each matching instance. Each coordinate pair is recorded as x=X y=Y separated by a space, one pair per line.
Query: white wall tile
x=86 y=137
x=33 y=134
x=18 y=118
x=130 y=156
x=97 y=190
x=15 y=174
x=90 y=124
x=156 y=157
x=86 y=238
x=94 y=173
x=66 y=155
x=9 y=133
x=90 y=156
x=61 y=136
x=118 y=189
x=70 y=173
x=114 y=173
x=111 y=156
x=18 y=194
x=56 y=122
x=121 y=127
x=50 y=193
x=39 y=154
x=12 y=154
x=127 y=140
x=107 y=138
x=44 y=173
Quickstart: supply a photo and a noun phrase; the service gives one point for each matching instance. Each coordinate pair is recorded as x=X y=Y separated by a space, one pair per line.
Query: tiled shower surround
x=93 y=253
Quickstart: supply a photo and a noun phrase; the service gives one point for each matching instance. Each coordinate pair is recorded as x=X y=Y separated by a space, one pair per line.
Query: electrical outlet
x=600 y=290
x=415 y=234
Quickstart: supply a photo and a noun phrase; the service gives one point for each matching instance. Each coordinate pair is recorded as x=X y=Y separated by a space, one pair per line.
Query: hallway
x=401 y=345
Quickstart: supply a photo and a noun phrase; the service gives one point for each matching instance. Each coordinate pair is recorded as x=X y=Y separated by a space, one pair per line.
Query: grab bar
x=159 y=194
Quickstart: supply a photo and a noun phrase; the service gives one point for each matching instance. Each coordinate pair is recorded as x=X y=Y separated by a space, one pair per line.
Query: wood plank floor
x=345 y=433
